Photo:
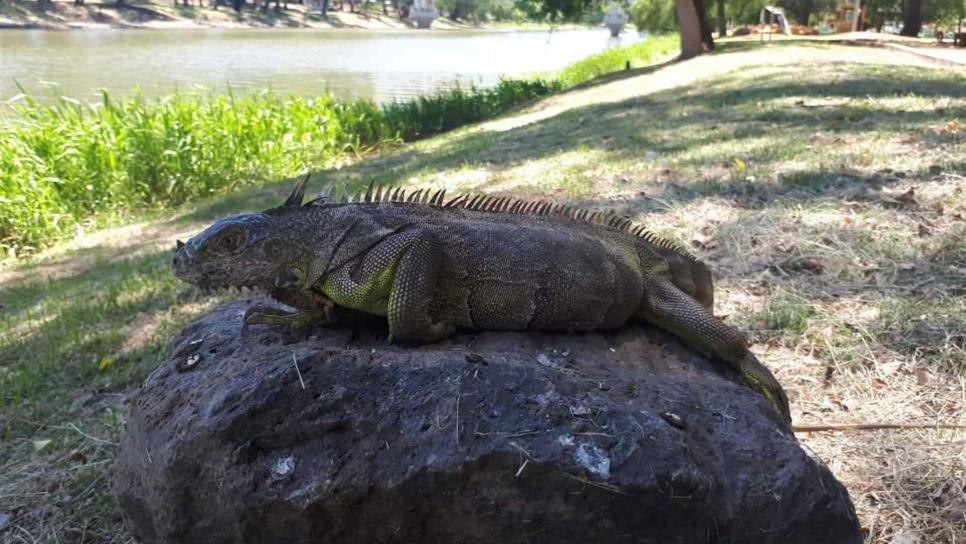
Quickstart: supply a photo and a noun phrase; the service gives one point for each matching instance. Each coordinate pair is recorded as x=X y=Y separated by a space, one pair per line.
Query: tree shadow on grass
x=682 y=121
x=57 y=333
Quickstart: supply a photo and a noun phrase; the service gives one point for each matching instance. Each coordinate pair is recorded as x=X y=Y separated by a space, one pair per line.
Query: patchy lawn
x=826 y=185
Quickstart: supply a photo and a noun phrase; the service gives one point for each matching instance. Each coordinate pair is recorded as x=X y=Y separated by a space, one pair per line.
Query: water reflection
x=380 y=65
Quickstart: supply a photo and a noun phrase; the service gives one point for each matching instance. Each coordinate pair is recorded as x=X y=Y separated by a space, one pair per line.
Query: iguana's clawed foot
x=267 y=315
x=759 y=378
x=420 y=334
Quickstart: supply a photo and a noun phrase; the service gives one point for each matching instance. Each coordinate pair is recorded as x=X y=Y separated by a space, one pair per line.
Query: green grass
x=61 y=164
x=786 y=314
x=619 y=58
x=68 y=164
x=852 y=297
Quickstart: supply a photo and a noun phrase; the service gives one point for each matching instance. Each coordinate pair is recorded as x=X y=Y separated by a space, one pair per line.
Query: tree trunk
x=722 y=22
x=912 y=22
x=385 y=8
x=238 y=4
x=325 y=8
x=352 y=6
x=804 y=12
x=706 y=40
x=691 y=44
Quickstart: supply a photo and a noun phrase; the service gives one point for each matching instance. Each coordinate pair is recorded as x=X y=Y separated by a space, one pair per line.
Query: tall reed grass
x=62 y=163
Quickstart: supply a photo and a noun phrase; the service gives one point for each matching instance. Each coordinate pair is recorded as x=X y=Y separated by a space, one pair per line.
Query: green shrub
x=425 y=116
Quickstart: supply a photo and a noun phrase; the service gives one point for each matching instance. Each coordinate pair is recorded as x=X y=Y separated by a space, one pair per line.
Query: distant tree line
x=692 y=18
x=660 y=16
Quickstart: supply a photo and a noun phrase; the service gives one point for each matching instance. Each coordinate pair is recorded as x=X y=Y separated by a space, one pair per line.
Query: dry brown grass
x=787 y=169
x=790 y=170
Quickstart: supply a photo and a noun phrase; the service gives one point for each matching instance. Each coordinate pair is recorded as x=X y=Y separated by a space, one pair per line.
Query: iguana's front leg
x=669 y=308
x=313 y=308
x=397 y=278
x=277 y=317
x=413 y=290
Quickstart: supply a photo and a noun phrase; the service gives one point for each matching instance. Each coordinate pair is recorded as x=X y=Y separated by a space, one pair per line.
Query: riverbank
x=67 y=165
x=66 y=15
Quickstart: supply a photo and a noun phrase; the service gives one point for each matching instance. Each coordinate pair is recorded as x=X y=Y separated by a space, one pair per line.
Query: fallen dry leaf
x=908 y=197
x=952 y=127
x=812 y=264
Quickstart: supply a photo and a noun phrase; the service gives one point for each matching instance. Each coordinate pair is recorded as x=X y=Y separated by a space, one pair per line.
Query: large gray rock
x=486 y=438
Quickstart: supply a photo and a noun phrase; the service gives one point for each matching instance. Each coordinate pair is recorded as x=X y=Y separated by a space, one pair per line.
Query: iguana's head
x=245 y=250
x=239 y=250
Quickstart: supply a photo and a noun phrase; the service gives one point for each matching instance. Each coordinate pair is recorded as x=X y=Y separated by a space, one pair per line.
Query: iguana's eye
x=230 y=241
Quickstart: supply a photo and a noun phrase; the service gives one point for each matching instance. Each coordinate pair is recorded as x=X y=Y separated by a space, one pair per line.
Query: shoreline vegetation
x=69 y=15
x=67 y=166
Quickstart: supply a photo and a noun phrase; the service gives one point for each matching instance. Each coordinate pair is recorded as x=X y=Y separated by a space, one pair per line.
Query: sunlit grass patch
x=611 y=60
x=785 y=314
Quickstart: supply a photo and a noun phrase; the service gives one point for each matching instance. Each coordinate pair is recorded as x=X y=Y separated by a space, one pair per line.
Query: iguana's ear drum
x=294 y=200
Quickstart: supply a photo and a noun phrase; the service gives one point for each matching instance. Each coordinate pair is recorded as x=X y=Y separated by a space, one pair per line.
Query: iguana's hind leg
x=689 y=275
x=671 y=309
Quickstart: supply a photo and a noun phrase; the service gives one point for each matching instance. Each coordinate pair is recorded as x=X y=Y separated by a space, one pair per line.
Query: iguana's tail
x=668 y=303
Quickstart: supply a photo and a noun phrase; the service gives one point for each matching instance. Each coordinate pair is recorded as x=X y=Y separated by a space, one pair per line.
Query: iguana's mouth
x=233 y=290
x=199 y=276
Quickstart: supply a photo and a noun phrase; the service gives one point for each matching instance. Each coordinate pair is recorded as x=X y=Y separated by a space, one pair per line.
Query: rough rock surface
x=495 y=437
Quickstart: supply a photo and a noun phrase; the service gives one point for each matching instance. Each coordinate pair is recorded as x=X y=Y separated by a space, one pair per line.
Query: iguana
x=432 y=265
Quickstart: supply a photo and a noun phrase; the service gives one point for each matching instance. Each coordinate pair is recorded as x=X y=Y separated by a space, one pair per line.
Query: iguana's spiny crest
x=255 y=250
x=495 y=204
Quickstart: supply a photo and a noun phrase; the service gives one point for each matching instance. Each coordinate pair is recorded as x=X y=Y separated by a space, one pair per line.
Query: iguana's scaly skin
x=432 y=266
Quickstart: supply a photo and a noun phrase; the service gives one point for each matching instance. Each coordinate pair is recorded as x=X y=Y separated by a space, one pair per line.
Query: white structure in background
x=615 y=19
x=424 y=13
x=774 y=14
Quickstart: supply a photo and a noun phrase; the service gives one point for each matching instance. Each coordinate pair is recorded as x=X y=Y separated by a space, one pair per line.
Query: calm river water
x=380 y=65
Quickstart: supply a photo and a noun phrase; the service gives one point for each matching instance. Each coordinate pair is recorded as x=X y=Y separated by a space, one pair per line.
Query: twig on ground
x=872 y=426
x=297 y=371
x=600 y=485
x=94 y=438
